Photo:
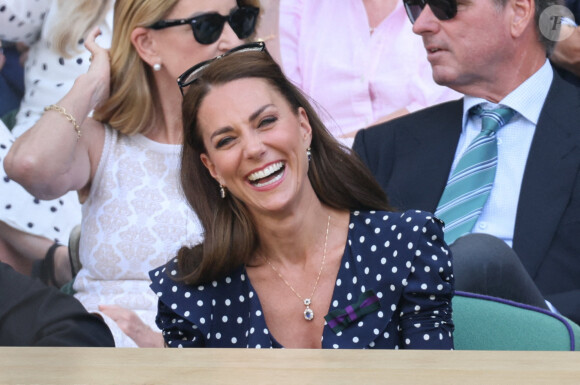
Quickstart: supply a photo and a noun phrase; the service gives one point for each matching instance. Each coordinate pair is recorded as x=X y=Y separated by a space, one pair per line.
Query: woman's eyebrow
x=220 y=131
x=252 y=117
x=259 y=111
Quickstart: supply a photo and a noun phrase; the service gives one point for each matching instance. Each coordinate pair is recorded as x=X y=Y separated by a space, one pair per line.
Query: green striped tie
x=470 y=184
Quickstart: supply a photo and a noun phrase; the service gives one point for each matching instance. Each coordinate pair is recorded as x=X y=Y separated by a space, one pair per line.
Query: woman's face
x=176 y=46
x=256 y=145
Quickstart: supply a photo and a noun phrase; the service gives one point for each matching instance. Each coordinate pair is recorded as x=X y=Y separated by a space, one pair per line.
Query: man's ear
x=210 y=167
x=145 y=45
x=523 y=13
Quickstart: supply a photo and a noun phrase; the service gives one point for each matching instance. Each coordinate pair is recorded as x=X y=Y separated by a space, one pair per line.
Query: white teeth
x=266 y=172
x=274 y=180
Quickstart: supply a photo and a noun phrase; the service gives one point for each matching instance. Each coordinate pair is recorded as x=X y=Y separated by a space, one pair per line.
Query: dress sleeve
x=22 y=20
x=177 y=331
x=426 y=314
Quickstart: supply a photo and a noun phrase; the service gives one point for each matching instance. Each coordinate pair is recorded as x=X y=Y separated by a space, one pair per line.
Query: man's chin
x=443 y=76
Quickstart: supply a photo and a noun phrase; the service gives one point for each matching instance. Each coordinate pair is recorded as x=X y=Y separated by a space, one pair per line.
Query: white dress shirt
x=514 y=141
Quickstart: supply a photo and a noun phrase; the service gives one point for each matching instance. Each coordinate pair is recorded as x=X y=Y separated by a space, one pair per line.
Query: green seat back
x=489 y=323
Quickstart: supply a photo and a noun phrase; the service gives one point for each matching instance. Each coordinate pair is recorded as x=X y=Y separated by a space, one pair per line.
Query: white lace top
x=134 y=220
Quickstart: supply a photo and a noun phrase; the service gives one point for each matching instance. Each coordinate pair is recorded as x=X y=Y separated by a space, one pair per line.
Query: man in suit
x=33 y=314
x=493 y=52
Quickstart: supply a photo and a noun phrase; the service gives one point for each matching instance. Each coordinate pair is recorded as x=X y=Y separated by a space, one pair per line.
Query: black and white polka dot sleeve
x=173 y=310
x=22 y=20
x=177 y=331
x=426 y=314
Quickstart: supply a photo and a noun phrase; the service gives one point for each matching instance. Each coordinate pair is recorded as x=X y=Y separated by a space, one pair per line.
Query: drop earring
x=157 y=67
x=222 y=192
x=309 y=154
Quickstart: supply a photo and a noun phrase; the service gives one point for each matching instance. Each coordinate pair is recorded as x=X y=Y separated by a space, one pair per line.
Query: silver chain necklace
x=308 y=312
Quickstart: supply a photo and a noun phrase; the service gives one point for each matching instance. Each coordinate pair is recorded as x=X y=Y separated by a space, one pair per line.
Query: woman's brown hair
x=338 y=177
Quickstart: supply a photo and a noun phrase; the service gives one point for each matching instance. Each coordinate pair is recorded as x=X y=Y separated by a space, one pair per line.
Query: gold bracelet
x=70 y=118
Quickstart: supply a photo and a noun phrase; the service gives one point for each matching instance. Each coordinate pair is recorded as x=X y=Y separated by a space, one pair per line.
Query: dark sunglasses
x=208 y=27
x=442 y=9
x=192 y=74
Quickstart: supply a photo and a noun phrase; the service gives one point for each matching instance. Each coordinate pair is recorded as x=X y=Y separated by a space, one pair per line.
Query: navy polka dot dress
x=393 y=290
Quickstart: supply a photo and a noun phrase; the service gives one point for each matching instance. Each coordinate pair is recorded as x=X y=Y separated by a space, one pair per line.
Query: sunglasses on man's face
x=208 y=27
x=192 y=74
x=442 y=9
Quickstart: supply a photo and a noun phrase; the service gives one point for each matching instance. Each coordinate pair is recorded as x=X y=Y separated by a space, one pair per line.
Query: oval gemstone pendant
x=308 y=312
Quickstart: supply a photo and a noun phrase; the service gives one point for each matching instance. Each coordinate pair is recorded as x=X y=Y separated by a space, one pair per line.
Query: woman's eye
x=267 y=121
x=224 y=141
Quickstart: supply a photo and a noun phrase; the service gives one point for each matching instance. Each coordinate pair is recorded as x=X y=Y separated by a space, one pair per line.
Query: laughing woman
x=301 y=249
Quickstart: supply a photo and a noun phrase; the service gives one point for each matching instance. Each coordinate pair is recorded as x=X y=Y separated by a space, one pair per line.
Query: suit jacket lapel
x=547 y=182
x=426 y=148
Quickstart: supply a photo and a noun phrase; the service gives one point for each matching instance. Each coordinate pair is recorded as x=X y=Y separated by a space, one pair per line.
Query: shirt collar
x=527 y=99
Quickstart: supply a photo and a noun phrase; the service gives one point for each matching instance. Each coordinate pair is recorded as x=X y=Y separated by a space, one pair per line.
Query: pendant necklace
x=308 y=312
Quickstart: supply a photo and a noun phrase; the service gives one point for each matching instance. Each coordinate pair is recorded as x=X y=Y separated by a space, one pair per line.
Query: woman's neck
x=293 y=237
x=166 y=131
x=168 y=127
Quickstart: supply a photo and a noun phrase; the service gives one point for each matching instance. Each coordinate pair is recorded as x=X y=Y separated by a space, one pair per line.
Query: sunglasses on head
x=208 y=27
x=192 y=74
x=442 y=9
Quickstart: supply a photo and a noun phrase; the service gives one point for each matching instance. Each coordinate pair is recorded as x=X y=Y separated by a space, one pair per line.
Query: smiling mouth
x=267 y=176
x=433 y=50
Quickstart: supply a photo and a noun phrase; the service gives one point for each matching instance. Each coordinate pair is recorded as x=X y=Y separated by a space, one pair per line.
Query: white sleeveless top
x=134 y=220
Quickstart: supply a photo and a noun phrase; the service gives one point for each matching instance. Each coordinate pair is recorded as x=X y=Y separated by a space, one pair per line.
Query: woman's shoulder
x=400 y=234
x=391 y=219
x=167 y=277
x=179 y=295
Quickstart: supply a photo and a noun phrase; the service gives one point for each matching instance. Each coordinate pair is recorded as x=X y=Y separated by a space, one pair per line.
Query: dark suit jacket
x=411 y=158
x=33 y=314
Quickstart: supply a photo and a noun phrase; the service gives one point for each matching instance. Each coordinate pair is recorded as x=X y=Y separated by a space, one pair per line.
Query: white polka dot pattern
x=413 y=288
x=53 y=219
x=49 y=76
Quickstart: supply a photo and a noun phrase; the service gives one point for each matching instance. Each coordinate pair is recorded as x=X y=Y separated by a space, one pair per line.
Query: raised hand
x=100 y=68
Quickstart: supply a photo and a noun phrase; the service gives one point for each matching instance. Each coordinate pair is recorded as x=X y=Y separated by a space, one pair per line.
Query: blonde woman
x=124 y=160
